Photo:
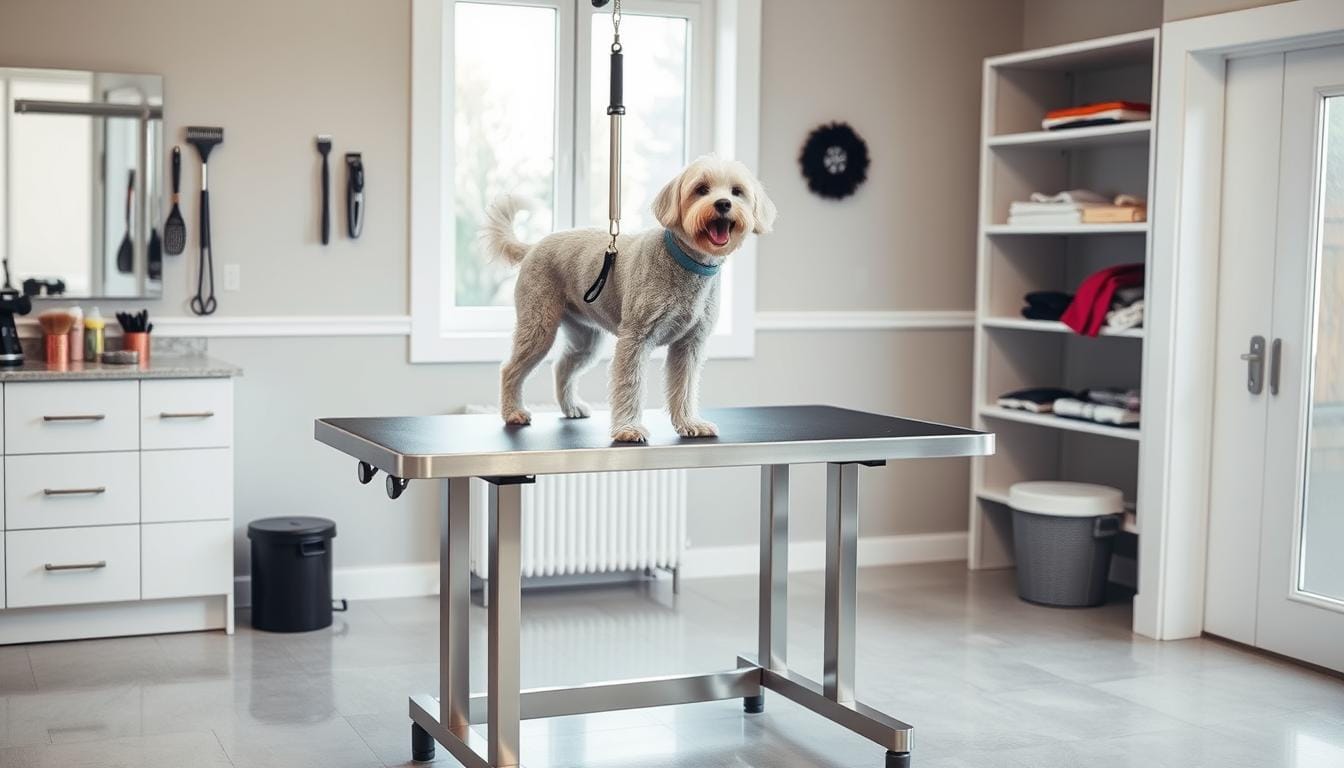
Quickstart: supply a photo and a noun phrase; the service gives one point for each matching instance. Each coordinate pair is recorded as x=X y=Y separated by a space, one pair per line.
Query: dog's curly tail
x=497 y=232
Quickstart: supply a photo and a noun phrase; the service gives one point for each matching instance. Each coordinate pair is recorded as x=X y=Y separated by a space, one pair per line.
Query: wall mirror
x=81 y=203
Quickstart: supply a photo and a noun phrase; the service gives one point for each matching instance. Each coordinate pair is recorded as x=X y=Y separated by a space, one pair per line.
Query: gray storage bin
x=1063 y=534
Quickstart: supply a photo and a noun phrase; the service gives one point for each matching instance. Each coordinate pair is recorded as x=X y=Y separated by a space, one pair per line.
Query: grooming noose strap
x=615 y=111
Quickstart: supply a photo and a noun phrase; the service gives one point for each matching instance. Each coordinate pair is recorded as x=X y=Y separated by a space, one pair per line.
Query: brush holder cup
x=136 y=342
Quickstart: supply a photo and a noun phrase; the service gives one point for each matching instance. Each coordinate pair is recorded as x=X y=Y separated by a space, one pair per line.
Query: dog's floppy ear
x=763 y=211
x=667 y=205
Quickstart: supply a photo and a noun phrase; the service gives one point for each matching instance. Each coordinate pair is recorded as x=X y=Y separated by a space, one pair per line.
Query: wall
x=1186 y=9
x=1051 y=22
x=273 y=78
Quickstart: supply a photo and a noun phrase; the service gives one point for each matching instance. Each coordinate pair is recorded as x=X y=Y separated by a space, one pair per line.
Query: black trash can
x=291 y=573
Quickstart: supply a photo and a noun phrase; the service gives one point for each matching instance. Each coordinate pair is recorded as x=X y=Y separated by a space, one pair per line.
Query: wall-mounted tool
x=175 y=229
x=324 y=149
x=126 y=251
x=354 y=194
x=205 y=139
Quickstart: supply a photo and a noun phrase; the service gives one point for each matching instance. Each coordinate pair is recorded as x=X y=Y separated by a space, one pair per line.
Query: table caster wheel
x=395 y=485
x=754 y=705
x=898 y=760
x=365 y=472
x=422 y=745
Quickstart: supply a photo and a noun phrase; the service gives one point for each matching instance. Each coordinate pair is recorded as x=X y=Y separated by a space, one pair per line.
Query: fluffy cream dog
x=663 y=290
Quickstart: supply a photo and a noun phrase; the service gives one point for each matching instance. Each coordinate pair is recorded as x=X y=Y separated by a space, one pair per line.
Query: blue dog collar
x=686 y=262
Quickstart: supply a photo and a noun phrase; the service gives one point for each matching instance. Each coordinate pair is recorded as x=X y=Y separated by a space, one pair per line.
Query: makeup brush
x=56 y=324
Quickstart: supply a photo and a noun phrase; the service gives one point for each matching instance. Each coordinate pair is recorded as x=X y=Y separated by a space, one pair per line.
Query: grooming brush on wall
x=324 y=149
x=354 y=194
x=204 y=139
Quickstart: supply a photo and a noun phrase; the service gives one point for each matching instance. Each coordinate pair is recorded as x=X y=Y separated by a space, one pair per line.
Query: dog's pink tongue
x=718 y=233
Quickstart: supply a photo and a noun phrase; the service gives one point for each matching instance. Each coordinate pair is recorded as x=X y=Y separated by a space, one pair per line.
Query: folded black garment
x=1124 y=297
x=1127 y=399
x=1035 y=400
x=1046 y=305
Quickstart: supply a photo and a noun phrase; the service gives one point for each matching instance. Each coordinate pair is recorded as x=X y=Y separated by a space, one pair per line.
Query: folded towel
x=1101 y=113
x=1087 y=313
x=1035 y=400
x=1126 y=317
x=1100 y=414
x=1120 y=398
x=1126 y=296
x=1046 y=305
x=1114 y=214
x=1063 y=218
x=1072 y=196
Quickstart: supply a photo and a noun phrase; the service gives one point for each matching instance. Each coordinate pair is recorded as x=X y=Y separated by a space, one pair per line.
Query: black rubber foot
x=754 y=705
x=898 y=759
x=422 y=744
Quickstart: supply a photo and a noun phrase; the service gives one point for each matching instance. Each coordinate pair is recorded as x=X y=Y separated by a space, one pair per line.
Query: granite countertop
x=159 y=367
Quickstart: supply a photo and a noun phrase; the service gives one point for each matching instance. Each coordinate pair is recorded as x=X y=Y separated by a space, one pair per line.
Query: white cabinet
x=72 y=565
x=118 y=507
x=71 y=416
x=73 y=489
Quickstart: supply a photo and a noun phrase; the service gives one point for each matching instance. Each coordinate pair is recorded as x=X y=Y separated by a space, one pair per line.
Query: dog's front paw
x=630 y=433
x=518 y=416
x=576 y=410
x=697 y=428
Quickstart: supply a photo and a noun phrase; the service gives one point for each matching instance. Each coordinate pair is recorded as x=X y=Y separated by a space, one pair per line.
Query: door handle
x=1255 y=365
x=93 y=491
x=1275 y=359
x=75 y=566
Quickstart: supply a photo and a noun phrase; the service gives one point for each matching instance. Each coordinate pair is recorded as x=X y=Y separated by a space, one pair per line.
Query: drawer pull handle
x=76 y=566
x=77 y=417
x=74 y=491
x=188 y=415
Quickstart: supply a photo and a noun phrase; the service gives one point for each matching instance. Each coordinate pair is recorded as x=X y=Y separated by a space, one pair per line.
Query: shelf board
x=1067 y=138
x=1048 y=326
x=1000 y=496
x=1059 y=422
x=1117 y=50
x=1140 y=227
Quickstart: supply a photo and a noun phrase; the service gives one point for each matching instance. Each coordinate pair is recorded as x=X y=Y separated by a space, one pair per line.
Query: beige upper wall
x=1051 y=22
x=1186 y=9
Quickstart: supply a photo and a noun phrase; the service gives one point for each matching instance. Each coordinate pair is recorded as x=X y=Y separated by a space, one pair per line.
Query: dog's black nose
x=723 y=205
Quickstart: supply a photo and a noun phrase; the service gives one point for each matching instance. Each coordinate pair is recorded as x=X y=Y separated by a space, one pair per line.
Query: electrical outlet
x=233 y=277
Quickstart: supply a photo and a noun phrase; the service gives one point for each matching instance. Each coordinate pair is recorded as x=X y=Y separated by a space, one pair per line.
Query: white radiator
x=592 y=523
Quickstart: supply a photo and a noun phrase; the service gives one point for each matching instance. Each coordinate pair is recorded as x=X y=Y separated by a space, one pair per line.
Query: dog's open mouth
x=718 y=231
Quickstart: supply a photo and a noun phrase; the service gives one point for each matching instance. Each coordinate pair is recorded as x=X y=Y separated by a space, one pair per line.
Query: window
x=509 y=96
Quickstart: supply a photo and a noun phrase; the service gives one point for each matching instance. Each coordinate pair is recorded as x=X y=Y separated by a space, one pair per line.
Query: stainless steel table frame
x=455 y=449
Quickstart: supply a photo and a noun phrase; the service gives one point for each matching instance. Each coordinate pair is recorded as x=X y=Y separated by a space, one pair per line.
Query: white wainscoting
x=419 y=579
x=282 y=326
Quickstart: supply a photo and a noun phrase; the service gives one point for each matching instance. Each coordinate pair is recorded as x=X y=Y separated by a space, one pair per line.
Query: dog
x=663 y=291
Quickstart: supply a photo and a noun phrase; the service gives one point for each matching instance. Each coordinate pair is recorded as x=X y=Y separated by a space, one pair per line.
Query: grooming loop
x=615 y=111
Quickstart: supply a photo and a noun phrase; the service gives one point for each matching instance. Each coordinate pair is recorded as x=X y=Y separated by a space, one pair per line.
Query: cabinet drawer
x=71 y=416
x=186 y=413
x=186 y=485
x=72 y=565
x=187 y=559
x=72 y=489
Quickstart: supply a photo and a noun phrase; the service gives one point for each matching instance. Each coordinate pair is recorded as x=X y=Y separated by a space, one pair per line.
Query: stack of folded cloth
x=1126 y=309
x=1116 y=407
x=1091 y=306
x=1075 y=206
x=1100 y=113
x=1046 y=305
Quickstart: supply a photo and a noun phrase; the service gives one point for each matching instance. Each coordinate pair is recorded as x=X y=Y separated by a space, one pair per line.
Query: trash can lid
x=291 y=528
x=1064 y=499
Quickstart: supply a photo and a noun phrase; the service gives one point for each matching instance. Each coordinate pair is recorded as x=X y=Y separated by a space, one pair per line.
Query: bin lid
x=1065 y=499
x=291 y=528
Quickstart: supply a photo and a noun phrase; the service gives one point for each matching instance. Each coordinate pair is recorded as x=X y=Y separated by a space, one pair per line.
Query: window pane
x=657 y=52
x=504 y=133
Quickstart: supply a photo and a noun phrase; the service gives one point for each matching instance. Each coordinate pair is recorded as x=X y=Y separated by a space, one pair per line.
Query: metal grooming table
x=455 y=449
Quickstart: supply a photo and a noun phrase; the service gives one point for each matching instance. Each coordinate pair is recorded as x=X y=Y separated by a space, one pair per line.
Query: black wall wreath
x=834 y=161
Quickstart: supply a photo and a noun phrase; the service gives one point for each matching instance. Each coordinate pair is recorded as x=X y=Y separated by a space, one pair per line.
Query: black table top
x=474 y=445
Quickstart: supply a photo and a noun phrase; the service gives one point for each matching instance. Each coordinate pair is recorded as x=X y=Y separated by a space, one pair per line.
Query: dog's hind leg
x=581 y=345
x=532 y=339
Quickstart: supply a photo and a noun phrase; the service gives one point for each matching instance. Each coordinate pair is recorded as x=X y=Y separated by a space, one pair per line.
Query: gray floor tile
x=200 y=750
x=16 y=671
x=330 y=743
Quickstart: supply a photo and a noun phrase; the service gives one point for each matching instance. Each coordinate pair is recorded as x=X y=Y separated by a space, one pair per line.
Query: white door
x=1276 y=547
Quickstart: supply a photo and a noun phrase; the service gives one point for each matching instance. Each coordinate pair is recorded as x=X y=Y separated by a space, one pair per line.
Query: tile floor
x=985 y=679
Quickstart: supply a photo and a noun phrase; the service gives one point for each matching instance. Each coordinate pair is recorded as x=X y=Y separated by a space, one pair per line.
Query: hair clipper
x=354 y=194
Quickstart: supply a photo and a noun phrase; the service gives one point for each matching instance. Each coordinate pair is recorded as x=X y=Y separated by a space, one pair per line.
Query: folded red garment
x=1091 y=109
x=1086 y=314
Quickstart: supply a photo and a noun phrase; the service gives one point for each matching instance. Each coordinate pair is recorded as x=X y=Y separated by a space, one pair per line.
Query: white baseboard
x=418 y=579
x=744 y=560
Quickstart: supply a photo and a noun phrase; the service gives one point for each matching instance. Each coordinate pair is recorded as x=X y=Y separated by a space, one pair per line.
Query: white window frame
x=724 y=118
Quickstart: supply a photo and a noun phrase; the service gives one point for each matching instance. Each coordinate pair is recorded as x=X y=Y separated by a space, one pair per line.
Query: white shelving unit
x=1011 y=352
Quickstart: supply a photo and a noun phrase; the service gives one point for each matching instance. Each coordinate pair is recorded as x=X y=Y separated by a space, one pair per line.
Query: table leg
x=773 y=622
x=503 y=687
x=842 y=541
x=455 y=605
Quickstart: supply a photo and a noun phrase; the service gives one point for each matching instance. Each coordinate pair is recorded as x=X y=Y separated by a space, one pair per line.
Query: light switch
x=233 y=277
